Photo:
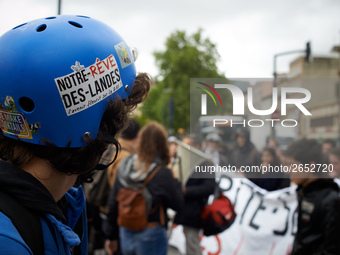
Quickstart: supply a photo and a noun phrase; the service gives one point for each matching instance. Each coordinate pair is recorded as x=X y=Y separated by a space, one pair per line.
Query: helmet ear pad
x=57 y=77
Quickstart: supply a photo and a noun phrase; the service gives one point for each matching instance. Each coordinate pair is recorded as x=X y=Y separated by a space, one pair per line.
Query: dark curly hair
x=83 y=159
x=306 y=151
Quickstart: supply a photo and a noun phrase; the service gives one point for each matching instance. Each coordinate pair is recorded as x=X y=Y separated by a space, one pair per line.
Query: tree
x=185 y=56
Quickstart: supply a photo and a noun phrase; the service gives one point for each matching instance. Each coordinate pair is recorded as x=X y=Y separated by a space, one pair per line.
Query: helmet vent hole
x=50 y=18
x=41 y=28
x=75 y=24
x=26 y=104
x=81 y=16
x=19 y=26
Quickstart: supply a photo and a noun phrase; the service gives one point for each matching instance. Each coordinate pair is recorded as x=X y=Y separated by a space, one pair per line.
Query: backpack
x=29 y=226
x=132 y=206
x=217 y=216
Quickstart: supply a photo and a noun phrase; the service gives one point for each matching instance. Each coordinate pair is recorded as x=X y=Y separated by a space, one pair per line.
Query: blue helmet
x=57 y=76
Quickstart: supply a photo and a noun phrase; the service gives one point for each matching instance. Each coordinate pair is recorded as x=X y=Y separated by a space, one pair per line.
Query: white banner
x=265 y=222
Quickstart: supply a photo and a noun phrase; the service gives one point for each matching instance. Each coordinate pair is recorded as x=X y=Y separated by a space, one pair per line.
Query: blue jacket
x=59 y=238
x=12 y=243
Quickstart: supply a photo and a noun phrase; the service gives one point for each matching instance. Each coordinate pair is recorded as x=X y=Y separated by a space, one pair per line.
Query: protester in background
x=196 y=191
x=128 y=146
x=97 y=192
x=271 y=179
x=39 y=169
x=318 y=226
x=274 y=144
x=327 y=145
x=334 y=160
x=244 y=152
x=175 y=164
x=172 y=141
x=192 y=141
x=164 y=192
x=213 y=143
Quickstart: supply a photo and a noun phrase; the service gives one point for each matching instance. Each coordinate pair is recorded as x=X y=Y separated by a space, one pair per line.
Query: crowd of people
x=164 y=190
x=317 y=190
x=316 y=165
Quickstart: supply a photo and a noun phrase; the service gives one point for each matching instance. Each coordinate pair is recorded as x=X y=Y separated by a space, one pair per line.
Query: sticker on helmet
x=34 y=128
x=88 y=86
x=10 y=105
x=124 y=55
x=12 y=122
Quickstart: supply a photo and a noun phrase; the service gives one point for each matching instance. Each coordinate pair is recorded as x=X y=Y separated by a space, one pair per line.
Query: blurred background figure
x=172 y=141
x=128 y=142
x=274 y=144
x=97 y=192
x=334 y=159
x=196 y=191
x=327 y=145
x=175 y=161
x=244 y=152
x=271 y=180
x=213 y=147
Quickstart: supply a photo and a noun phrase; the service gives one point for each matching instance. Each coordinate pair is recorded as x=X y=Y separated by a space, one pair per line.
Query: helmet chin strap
x=88 y=177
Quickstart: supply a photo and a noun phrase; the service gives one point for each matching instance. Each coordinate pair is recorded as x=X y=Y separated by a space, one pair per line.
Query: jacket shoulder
x=164 y=171
x=329 y=196
x=11 y=242
x=163 y=180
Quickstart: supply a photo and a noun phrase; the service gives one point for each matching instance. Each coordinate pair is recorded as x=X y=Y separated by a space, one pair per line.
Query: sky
x=247 y=33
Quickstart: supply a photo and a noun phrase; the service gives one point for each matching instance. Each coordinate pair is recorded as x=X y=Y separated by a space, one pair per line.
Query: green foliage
x=185 y=56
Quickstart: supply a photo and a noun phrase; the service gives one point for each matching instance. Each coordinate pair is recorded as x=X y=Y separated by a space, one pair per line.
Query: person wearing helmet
x=67 y=86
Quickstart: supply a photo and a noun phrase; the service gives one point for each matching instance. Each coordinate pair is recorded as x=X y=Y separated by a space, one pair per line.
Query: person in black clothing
x=244 y=152
x=334 y=159
x=196 y=192
x=318 y=202
x=271 y=180
x=162 y=189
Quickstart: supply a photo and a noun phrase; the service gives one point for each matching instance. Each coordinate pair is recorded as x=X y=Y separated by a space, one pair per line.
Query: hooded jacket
x=318 y=219
x=162 y=188
x=57 y=220
x=245 y=156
